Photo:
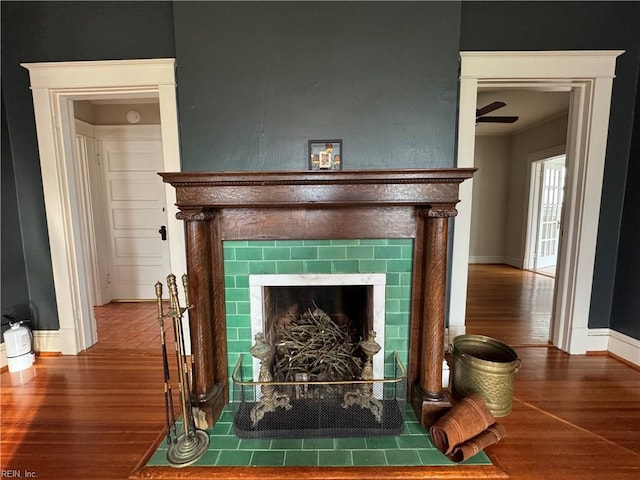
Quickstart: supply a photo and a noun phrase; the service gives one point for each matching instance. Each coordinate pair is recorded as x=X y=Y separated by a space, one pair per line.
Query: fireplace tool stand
x=192 y=443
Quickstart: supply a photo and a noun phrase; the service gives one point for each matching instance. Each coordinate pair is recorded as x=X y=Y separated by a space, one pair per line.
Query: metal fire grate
x=320 y=409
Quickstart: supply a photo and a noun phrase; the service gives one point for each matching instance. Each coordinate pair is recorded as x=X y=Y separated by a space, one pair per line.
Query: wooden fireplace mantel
x=318 y=205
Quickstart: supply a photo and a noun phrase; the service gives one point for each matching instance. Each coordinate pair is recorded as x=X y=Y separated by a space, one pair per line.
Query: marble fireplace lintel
x=415 y=203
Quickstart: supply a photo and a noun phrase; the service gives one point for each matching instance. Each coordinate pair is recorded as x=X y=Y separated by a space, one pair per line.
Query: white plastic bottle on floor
x=18 y=343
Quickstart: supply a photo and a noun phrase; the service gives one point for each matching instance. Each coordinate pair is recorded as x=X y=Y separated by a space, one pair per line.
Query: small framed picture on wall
x=325 y=154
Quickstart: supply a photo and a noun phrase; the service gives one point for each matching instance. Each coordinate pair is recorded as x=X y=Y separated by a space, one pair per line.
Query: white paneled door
x=550 y=212
x=137 y=216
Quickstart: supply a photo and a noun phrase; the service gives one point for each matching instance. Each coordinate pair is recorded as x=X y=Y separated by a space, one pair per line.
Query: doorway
x=588 y=75
x=506 y=153
x=135 y=209
x=55 y=87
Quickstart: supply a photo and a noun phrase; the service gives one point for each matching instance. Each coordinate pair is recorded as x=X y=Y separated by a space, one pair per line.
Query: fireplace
x=365 y=205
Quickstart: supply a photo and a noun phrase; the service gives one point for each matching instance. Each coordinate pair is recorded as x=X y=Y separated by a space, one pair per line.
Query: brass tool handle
x=185 y=285
x=159 y=299
x=173 y=293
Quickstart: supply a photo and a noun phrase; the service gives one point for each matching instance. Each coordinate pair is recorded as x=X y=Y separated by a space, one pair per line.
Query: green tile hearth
x=412 y=448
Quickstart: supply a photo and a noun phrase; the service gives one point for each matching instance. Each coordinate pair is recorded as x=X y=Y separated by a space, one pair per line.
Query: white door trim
x=55 y=86
x=589 y=76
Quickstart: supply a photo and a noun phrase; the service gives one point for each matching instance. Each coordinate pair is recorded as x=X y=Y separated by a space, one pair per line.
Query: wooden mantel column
x=429 y=398
x=209 y=394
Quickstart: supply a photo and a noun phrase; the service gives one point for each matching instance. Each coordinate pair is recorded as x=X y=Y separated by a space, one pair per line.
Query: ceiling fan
x=481 y=112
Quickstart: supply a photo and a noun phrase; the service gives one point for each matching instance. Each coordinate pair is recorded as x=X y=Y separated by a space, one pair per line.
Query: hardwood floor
x=81 y=417
x=95 y=415
x=508 y=304
x=128 y=327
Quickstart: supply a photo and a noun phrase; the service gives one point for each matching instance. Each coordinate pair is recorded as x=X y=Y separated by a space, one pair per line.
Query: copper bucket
x=487 y=367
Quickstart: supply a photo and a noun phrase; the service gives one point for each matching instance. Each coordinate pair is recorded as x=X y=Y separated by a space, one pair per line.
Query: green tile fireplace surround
x=392 y=257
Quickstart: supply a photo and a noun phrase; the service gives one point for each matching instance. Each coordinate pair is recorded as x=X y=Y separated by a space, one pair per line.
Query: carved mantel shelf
x=325 y=189
x=287 y=205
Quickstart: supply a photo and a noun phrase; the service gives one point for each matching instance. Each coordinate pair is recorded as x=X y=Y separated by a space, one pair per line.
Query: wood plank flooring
x=129 y=327
x=95 y=415
x=508 y=304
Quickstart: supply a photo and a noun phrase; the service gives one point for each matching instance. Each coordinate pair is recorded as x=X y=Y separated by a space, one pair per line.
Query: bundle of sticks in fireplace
x=314 y=347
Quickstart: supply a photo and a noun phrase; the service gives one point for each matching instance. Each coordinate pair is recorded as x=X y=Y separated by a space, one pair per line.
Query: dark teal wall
x=62 y=31
x=625 y=312
x=257 y=80
x=580 y=26
x=15 y=295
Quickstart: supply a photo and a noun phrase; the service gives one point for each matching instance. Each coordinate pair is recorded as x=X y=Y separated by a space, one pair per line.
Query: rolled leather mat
x=465 y=429
x=468 y=449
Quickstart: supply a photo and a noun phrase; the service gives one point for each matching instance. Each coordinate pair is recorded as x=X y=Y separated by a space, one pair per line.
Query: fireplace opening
x=316 y=330
x=353 y=303
x=318 y=359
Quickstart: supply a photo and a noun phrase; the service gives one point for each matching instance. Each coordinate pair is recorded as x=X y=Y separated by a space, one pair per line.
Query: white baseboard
x=616 y=343
x=496 y=260
x=489 y=259
x=625 y=347
x=47 y=341
x=599 y=340
x=514 y=262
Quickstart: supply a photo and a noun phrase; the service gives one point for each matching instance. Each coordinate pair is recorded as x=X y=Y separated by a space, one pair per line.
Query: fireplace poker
x=185 y=285
x=168 y=394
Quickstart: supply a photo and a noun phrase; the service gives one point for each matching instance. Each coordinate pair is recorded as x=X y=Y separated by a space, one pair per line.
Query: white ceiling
x=531 y=106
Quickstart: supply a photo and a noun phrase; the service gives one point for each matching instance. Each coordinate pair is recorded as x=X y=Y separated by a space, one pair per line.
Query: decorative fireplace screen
x=319 y=408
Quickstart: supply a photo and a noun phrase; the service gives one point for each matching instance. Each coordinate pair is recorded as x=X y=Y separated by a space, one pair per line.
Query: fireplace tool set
x=188 y=446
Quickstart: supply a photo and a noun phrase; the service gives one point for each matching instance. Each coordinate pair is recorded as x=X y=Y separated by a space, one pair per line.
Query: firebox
x=355 y=303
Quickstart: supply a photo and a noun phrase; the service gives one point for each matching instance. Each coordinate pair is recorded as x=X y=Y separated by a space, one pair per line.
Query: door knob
x=163 y=232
